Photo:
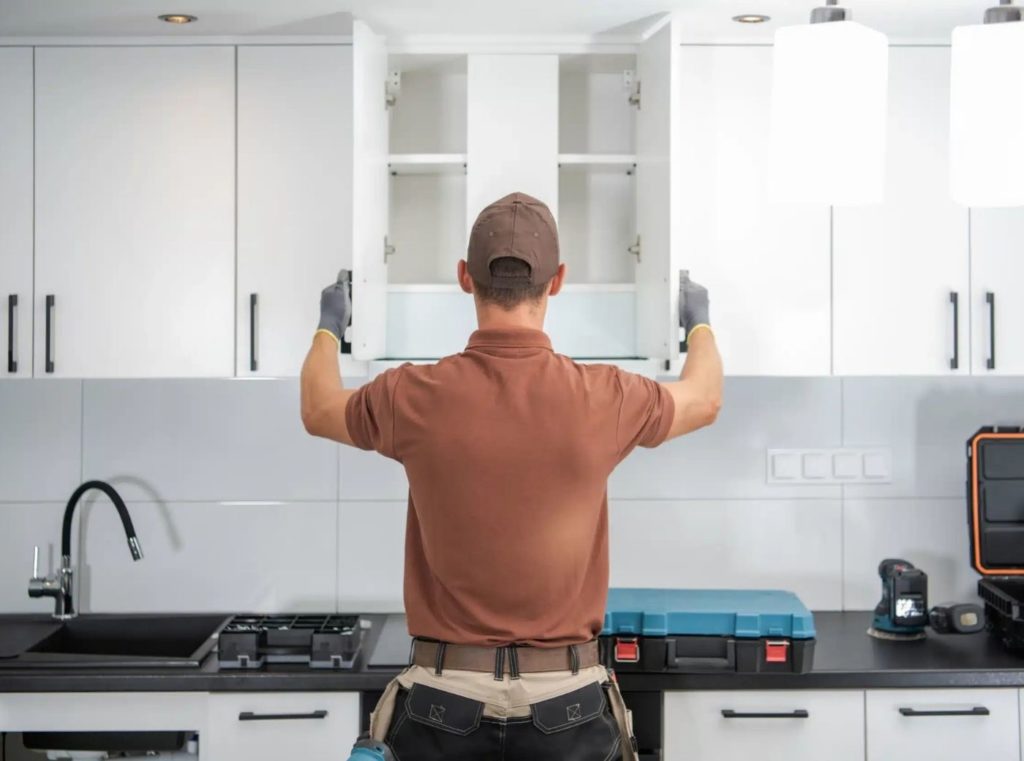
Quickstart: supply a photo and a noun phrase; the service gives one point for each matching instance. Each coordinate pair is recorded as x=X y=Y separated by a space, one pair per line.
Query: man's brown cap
x=517 y=226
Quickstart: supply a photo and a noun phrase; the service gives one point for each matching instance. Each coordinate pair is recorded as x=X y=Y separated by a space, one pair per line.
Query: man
x=507 y=448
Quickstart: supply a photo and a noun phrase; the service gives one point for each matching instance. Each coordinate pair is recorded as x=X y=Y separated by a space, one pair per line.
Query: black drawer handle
x=253 y=304
x=976 y=711
x=799 y=713
x=990 y=299
x=954 y=299
x=49 y=332
x=12 y=359
x=250 y=716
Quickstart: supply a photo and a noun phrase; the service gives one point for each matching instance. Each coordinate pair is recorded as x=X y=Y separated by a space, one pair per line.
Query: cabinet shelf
x=598 y=161
x=427 y=163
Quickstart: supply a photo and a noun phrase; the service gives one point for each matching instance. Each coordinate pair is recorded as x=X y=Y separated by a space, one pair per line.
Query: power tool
x=366 y=749
x=902 y=613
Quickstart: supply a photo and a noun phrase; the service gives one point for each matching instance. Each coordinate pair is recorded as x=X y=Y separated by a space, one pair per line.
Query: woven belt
x=513 y=660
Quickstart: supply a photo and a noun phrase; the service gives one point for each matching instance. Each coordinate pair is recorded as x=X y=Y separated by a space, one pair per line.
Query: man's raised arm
x=698 y=392
x=323 y=397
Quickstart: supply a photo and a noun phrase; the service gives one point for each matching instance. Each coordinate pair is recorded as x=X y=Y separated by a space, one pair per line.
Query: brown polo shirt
x=508 y=448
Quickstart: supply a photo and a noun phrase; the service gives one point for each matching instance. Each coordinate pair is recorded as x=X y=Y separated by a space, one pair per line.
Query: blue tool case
x=707 y=630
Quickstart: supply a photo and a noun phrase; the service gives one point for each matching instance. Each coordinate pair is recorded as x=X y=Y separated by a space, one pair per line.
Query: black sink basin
x=110 y=641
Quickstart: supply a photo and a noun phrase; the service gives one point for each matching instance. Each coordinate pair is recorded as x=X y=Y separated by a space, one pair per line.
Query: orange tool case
x=995 y=515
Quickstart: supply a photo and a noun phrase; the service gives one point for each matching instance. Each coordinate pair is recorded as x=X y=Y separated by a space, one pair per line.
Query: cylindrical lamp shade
x=828 y=116
x=987 y=115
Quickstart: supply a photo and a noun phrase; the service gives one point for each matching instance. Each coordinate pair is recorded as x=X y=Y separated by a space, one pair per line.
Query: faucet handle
x=35 y=562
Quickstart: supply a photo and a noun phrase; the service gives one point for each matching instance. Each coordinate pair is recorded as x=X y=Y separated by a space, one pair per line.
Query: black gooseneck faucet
x=60 y=587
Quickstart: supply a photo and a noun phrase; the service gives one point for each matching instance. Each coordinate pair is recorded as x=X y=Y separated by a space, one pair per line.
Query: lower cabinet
x=799 y=725
x=270 y=726
x=943 y=724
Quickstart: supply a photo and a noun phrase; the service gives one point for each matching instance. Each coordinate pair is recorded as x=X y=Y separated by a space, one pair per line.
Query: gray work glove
x=693 y=303
x=336 y=307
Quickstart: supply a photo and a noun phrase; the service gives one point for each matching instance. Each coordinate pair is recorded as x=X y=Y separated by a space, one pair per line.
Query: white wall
x=238 y=509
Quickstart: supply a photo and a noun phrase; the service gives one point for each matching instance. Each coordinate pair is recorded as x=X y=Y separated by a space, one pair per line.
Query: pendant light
x=828 y=112
x=987 y=110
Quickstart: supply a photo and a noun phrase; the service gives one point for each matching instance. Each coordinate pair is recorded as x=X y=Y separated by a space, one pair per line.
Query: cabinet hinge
x=389 y=250
x=635 y=249
x=392 y=86
x=632 y=87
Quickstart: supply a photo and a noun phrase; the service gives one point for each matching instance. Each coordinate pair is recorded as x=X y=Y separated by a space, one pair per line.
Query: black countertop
x=845 y=658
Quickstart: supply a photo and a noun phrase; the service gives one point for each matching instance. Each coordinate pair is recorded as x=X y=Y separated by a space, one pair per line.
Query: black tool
x=957 y=618
x=902 y=613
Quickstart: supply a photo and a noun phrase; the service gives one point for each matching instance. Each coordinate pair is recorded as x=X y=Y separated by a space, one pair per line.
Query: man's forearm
x=323 y=397
x=703 y=366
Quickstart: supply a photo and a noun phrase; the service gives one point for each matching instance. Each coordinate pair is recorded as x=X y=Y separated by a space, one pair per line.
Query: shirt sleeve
x=370 y=414
x=646 y=411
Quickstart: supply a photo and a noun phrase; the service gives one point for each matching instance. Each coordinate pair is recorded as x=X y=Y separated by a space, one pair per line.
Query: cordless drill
x=366 y=749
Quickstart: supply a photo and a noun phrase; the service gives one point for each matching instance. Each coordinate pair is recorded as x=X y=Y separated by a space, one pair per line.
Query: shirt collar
x=509 y=338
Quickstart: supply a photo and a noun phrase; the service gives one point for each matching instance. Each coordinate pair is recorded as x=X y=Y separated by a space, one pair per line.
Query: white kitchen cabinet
x=997 y=279
x=901 y=269
x=294 y=196
x=16 y=72
x=944 y=725
x=766 y=264
x=103 y=711
x=464 y=129
x=799 y=725
x=313 y=726
x=135 y=211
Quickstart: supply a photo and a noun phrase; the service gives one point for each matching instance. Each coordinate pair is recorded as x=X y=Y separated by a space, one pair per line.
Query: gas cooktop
x=319 y=641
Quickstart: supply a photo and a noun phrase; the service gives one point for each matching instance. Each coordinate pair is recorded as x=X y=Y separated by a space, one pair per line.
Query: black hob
x=327 y=641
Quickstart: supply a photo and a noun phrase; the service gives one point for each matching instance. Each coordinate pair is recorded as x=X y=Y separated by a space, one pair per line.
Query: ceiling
x=703 y=20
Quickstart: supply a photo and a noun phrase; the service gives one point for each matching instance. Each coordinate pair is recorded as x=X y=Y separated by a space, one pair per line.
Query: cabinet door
x=135 y=211
x=103 y=711
x=511 y=129
x=294 y=196
x=657 y=275
x=901 y=268
x=772 y=725
x=370 y=193
x=766 y=265
x=997 y=279
x=16 y=212
x=319 y=726
x=943 y=725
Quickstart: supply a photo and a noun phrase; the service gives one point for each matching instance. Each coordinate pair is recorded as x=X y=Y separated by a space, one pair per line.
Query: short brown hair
x=511 y=268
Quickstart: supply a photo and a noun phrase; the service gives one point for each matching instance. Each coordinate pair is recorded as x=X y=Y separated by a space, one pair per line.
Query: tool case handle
x=690 y=663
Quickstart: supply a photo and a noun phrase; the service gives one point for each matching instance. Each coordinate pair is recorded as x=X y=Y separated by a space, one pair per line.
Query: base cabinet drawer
x=798 y=725
x=943 y=725
x=279 y=726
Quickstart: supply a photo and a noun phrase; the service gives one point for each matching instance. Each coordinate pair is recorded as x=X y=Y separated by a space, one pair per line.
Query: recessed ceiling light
x=177 y=18
x=751 y=18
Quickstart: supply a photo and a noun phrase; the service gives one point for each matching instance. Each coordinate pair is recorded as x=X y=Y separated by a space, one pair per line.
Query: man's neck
x=524 y=318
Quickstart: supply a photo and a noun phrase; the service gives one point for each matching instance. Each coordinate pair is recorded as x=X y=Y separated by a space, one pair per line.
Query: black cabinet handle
x=253 y=303
x=346 y=347
x=976 y=711
x=954 y=299
x=250 y=716
x=990 y=299
x=799 y=713
x=49 y=332
x=12 y=360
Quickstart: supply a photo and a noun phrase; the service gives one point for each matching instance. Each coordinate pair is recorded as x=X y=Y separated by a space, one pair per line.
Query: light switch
x=816 y=466
x=846 y=466
x=785 y=466
x=876 y=466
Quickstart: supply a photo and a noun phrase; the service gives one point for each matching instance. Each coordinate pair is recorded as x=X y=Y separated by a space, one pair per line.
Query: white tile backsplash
x=930 y=533
x=40 y=439
x=210 y=557
x=727 y=460
x=329 y=531
x=184 y=440
x=770 y=544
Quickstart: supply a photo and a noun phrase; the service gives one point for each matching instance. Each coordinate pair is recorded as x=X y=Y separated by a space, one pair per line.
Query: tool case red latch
x=776 y=651
x=627 y=650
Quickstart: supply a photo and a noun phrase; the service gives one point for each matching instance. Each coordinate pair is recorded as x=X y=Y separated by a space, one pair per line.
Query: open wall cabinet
x=438 y=136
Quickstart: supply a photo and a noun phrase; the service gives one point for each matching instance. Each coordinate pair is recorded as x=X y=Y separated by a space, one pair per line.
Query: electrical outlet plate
x=829 y=466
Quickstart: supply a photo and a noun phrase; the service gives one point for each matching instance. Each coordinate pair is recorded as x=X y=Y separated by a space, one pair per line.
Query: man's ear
x=465 y=281
x=558 y=280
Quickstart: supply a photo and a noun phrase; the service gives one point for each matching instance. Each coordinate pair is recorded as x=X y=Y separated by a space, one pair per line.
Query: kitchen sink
x=131 y=641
